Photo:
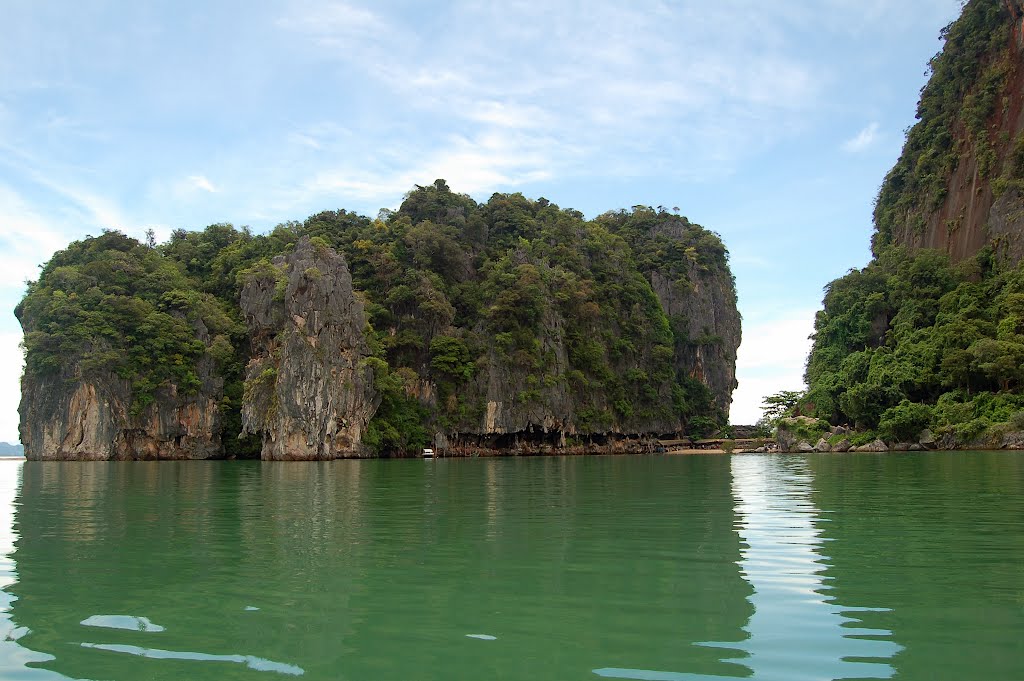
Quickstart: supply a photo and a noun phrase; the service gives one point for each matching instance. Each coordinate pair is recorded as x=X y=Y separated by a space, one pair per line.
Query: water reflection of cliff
x=938 y=540
x=376 y=569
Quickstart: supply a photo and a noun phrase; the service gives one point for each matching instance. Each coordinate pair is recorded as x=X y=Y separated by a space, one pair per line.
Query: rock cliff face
x=711 y=328
x=546 y=409
x=917 y=339
x=958 y=186
x=307 y=391
x=551 y=410
x=76 y=415
x=704 y=304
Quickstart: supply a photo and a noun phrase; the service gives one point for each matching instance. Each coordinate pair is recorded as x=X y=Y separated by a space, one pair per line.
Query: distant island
x=7 y=449
x=511 y=326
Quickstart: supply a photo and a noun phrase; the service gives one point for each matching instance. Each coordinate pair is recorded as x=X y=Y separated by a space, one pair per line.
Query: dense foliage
x=116 y=305
x=449 y=286
x=911 y=341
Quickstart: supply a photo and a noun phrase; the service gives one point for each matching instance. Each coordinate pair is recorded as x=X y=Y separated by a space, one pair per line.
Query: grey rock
x=927 y=439
x=308 y=390
x=823 y=446
x=704 y=299
x=876 y=446
x=804 y=447
x=1012 y=440
x=842 y=446
x=707 y=302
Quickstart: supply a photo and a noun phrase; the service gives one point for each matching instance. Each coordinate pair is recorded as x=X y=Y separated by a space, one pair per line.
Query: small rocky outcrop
x=874 y=446
x=81 y=414
x=793 y=431
x=843 y=445
x=308 y=391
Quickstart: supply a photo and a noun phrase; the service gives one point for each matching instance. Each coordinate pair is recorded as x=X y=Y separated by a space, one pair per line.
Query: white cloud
x=188 y=190
x=507 y=115
x=304 y=140
x=200 y=182
x=668 y=83
x=481 y=163
x=329 y=21
x=771 y=358
x=864 y=139
x=83 y=206
x=27 y=239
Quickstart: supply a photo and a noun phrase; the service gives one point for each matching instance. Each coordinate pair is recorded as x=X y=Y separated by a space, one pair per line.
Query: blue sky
x=771 y=123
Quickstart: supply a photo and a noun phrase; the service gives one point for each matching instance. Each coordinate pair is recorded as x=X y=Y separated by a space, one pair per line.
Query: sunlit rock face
x=974 y=196
x=89 y=415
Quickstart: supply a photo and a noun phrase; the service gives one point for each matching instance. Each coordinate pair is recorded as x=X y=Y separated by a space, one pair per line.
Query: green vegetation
x=911 y=342
x=117 y=306
x=560 y=307
x=803 y=428
x=775 y=407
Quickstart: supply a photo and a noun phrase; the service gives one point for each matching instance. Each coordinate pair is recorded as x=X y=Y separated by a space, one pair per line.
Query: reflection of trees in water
x=797 y=628
x=98 y=538
x=937 y=539
x=379 y=569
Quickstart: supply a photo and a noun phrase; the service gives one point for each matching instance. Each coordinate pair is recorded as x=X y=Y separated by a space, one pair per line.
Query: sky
x=770 y=123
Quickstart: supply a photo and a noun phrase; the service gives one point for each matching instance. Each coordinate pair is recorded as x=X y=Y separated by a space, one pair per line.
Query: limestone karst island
x=447 y=324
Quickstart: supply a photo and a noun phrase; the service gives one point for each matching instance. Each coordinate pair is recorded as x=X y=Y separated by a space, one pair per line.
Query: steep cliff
x=929 y=336
x=73 y=415
x=689 y=272
x=959 y=184
x=308 y=391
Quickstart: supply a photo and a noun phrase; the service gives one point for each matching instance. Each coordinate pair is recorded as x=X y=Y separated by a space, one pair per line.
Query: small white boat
x=428 y=453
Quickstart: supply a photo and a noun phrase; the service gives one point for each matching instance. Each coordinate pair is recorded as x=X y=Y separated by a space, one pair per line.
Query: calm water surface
x=861 y=566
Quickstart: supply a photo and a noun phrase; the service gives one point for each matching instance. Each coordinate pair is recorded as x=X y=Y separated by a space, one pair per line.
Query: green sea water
x=857 y=566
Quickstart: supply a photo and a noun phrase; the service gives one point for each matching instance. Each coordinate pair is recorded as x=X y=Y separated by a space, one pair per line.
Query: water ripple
x=257 y=663
x=129 y=622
